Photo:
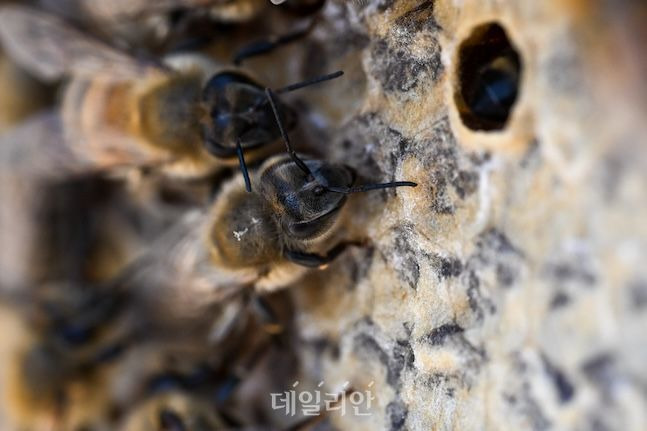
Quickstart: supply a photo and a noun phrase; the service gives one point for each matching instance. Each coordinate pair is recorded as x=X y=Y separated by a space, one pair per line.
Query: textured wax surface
x=508 y=290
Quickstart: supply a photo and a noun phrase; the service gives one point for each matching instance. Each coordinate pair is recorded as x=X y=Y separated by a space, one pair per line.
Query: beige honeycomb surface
x=508 y=291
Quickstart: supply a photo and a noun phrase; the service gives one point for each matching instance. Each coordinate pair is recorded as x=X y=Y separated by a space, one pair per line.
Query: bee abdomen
x=102 y=125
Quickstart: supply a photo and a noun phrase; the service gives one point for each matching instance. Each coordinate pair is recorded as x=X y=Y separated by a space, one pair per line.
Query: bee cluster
x=151 y=208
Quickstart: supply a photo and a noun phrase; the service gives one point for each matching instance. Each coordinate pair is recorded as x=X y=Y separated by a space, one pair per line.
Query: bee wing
x=176 y=276
x=38 y=150
x=50 y=48
x=31 y=156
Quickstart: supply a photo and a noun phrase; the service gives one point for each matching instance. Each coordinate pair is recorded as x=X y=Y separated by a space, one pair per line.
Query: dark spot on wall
x=564 y=388
x=564 y=70
x=440 y=201
x=398 y=70
x=401 y=356
x=638 y=293
x=531 y=155
x=495 y=254
x=559 y=300
x=438 y=335
x=335 y=352
x=477 y=302
x=450 y=267
x=505 y=274
x=365 y=342
x=570 y=271
x=532 y=410
x=613 y=167
x=473 y=295
x=600 y=370
x=376 y=150
x=396 y=412
x=510 y=399
x=407 y=266
x=598 y=423
x=496 y=240
x=465 y=183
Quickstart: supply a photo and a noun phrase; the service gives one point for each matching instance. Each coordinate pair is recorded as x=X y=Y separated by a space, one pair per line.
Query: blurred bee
x=82 y=354
x=69 y=339
x=268 y=238
x=184 y=117
x=169 y=25
x=231 y=11
x=59 y=222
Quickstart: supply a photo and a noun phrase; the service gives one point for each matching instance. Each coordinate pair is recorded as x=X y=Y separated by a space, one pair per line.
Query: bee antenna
x=309 y=82
x=243 y=166
x=368 y=187
x=284 y=135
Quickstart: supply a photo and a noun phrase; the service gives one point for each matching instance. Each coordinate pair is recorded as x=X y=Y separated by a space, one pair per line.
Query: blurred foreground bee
x=187 y=117
x=61 y=221
x=219 y=10
x=68 y=340
x=266 y=238
x=160 y=25
x=81 y=354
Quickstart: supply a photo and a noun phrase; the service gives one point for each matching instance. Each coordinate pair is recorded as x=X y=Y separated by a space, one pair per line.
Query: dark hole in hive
x=489 y=72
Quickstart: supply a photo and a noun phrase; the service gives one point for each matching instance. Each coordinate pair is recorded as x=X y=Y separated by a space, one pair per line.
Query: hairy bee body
x=149 y=122
x=185 y=115
x=243 y=239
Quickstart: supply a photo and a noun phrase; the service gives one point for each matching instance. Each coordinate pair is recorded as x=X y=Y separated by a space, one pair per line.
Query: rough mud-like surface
x=508 y=290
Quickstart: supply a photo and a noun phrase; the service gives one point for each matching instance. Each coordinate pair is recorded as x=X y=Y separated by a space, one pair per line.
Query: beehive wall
x=508 y=290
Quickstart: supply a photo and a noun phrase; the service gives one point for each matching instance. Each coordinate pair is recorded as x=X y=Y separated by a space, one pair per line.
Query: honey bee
x=63 y=351
x=267 y=238
x=59 y=222
x=110 y=13
x=187 y=117
x=167 y=24
x=232 y=11
x=81 y=353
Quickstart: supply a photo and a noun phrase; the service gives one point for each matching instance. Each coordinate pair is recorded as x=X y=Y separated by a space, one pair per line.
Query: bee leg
x=312 y=260
x=266 y=315
x=264 y=46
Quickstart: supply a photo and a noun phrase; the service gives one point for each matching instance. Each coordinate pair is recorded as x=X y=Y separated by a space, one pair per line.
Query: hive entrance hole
x=489 y=72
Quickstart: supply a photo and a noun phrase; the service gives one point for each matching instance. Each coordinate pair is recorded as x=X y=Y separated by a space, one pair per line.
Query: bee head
x=237 y=112
x=306 y=206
